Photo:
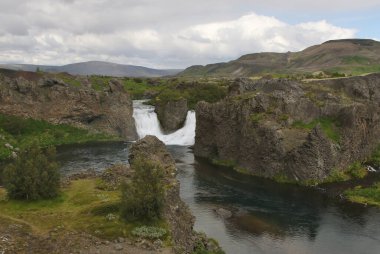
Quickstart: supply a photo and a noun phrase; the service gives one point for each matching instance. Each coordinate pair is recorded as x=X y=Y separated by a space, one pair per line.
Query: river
x=268 y=217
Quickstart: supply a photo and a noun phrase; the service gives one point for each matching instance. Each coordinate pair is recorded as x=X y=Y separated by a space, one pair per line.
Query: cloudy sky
x=174 y=33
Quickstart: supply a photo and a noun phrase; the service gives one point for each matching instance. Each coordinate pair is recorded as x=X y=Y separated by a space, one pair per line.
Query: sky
x=174 y=33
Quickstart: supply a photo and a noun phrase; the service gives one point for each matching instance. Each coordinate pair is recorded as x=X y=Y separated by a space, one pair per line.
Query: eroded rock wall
x=172 y=114
x=295 y=129
x=176 y=212
x=40 y=97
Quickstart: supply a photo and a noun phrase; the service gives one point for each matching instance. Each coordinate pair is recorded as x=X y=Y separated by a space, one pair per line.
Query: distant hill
x=96 y=68
x=350 y=56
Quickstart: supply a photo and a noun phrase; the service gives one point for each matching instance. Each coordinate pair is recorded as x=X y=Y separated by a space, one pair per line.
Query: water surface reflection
x=268 y=217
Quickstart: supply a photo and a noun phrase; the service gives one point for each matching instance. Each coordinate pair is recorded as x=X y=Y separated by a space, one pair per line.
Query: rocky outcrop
x=172 y=114
x=176 y=212
x=284 y=128
x=41 y=97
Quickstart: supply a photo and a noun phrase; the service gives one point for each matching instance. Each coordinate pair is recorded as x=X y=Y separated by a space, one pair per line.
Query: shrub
x=357 y=170
x=33 y=175
x=142 y=198
x=149 y=232
x=375 y=158
x=337 y=176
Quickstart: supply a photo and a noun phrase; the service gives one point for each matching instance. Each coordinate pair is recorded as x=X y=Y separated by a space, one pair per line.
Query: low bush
x=149 y=232
x=357 y=170
x=33 y=175
x=142 y=198
x=370 y=195
x=375 y=158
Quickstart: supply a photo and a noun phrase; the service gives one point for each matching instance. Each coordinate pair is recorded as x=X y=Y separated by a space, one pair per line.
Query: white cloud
x=165 y=33
x=255 y=33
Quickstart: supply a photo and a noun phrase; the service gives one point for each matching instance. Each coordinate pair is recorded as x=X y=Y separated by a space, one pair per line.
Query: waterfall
x=147 y=124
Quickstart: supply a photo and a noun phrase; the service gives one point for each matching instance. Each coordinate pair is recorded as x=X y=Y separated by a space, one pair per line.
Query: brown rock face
x=285 y=128
x=56 y=102
x=176 y=212
x=172 y=115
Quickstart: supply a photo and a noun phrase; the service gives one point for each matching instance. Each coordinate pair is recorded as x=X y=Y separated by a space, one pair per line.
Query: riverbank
x=18 y=133
x=87 y=216
x=83 y=219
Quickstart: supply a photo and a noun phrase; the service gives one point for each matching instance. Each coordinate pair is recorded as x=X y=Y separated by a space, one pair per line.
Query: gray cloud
x=158 y=33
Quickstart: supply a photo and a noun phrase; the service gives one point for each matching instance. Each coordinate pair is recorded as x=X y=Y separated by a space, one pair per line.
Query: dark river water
x=268 y=217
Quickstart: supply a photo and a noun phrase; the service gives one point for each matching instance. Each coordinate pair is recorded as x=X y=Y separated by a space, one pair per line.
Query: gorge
x=319 y=123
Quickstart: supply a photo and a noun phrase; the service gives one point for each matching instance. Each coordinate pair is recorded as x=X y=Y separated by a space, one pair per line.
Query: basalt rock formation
x=172 y=114
x=176 y=212
x=34 y=95
x=292 y=129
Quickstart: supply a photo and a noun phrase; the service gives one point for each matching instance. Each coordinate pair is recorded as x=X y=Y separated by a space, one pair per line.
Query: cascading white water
x=147 y=124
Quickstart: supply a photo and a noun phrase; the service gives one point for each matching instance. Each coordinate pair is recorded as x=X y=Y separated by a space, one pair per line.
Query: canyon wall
x=292 y=129
x=38 y=96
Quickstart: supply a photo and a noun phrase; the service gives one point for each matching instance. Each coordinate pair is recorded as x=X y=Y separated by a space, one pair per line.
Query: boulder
x=223 y=213
x=172 y=114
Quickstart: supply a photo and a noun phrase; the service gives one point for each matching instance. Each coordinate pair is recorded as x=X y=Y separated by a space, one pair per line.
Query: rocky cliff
x=296 y=130
x=172 y=114
x=35 y=95
x=176 y=212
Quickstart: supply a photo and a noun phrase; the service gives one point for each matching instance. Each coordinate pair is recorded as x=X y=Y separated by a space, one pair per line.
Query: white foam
x=147 y=124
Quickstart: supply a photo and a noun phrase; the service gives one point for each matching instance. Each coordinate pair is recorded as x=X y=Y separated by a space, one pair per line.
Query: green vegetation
x=143 y=197
x=33 y=175
x=139 y=87
x=257 y=117
x=20 y=133
x=370 y=195
x=192 y=92
x=99 y=82
x=355 y=60
x=357 y=70
x=81 y=206
x=282 y=178
x=149 y=232
x=69 y=79
x=224 y=163
x=166 y=89
x=375 y=158
x=329 y=126
x=203 y=245
x=337 y=176
x=73 y=209
x=354 y=171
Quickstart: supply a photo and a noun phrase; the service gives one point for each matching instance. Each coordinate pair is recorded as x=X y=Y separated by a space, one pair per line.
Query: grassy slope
x=370 y=195
x=352 y=57
x=20 y=133
x=81 y=207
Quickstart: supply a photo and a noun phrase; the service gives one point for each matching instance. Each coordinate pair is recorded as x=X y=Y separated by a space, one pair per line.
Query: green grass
x=357 y=70
x=99 y=82
x=355 y=171
x=257 y=117
x=192 y=92
x=329 y=126
x=370 y=195
x=224 y=163
x=68 y=79
x=375 y=158
x=81 y=207
x=355 y=60
x=21 y=133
